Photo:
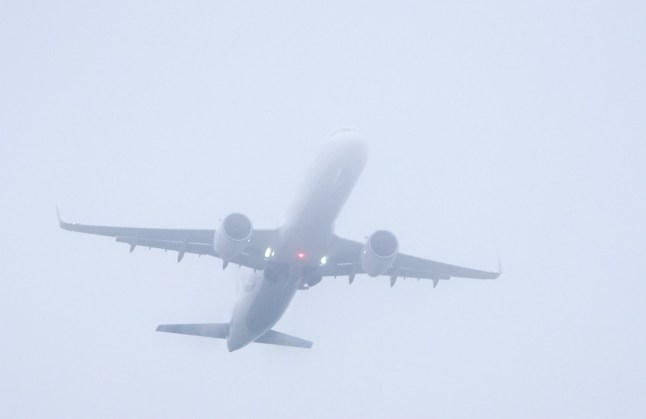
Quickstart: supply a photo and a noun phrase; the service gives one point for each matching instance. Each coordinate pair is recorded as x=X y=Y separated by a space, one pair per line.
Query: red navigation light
x=301 y=255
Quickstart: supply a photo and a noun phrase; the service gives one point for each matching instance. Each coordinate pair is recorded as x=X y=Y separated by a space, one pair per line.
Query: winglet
x=61 y=223
x=499 y=266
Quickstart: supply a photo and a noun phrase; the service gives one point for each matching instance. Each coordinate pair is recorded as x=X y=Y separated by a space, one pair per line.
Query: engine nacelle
x=233 y=236
x=379 y=253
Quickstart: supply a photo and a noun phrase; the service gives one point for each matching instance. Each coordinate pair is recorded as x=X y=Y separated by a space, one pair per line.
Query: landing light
x=323 y=260
x=268 y=252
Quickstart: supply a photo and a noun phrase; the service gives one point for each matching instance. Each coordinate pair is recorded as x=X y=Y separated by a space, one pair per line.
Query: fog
x=511 y=129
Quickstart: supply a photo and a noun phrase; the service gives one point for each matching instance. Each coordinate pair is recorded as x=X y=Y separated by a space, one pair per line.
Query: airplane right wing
x=182 y=241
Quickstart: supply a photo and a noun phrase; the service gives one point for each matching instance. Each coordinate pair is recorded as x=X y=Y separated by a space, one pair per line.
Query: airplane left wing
x=182 y=241
x=345 y=256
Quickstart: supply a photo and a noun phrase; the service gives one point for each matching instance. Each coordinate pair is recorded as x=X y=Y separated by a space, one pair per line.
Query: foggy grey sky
x=512 y=129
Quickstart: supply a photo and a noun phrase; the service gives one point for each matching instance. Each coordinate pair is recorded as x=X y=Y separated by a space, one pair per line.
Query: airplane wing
x=345 y=256
x=182 y=241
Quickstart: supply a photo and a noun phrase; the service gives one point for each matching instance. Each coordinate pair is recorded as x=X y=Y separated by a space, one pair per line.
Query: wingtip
x=58 y=215
x=62 y=223
x=497 y=274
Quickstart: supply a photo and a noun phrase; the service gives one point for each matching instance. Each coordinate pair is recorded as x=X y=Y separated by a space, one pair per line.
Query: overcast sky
x=503 y=128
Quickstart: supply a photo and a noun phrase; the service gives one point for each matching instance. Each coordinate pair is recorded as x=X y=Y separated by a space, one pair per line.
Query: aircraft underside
x=297 y=255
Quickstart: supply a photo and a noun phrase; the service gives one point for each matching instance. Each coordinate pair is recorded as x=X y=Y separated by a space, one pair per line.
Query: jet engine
x=233 y=236
x=379 y=253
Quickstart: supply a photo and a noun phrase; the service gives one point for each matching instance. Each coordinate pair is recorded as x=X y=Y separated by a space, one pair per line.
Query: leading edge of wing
x=166 y=234
x=412 y=266
x=183 y=241
x=345 y=255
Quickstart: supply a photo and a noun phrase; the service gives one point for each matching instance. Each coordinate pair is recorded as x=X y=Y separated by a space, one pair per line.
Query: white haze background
x=503 y=128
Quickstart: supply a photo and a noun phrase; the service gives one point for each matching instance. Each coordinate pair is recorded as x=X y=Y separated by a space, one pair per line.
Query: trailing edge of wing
x=345 y=256
x=197 y=241
x=411 y=266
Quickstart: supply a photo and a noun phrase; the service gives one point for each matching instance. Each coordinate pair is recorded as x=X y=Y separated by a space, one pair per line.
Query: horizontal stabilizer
x=221 y=331
x=209 y=330
x=276 y=338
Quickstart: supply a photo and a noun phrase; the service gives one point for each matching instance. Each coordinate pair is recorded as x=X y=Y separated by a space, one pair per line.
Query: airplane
x=295 y=256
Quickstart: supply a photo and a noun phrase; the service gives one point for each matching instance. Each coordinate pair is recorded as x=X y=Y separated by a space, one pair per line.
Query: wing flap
x=197 y=248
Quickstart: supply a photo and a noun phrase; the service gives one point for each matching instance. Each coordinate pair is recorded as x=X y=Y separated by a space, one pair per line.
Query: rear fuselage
x=303 y=240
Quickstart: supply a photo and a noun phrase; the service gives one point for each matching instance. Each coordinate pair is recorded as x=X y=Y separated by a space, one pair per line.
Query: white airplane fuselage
x=303 y=240
x=295 y=256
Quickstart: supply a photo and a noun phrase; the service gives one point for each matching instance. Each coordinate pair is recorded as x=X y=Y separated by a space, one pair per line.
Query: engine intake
x=379 y=253
x=233 y=236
